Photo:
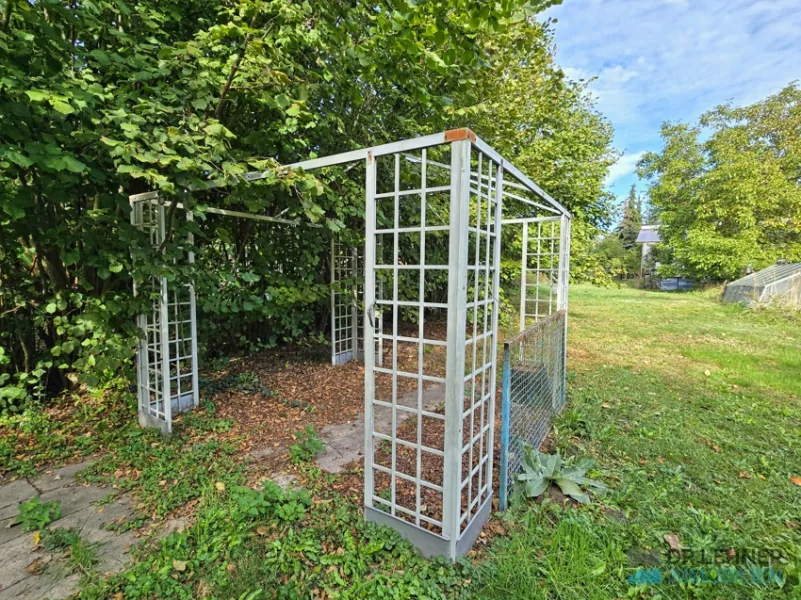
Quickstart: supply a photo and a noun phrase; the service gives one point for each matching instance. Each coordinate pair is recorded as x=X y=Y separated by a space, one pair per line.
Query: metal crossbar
x=533 y=391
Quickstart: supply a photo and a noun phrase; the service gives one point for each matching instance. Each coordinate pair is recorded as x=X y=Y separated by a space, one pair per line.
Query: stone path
x=28 y=572
x=344 y=442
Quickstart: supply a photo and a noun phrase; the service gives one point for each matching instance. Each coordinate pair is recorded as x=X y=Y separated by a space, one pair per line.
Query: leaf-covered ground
x=691 y=409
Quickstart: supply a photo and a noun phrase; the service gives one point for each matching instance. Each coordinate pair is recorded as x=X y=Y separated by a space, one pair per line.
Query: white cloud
x=674 y=59
x=625 y=165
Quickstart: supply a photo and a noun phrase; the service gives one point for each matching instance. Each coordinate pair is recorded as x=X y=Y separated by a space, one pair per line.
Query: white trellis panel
x=435 y=489
x=543 y=268
x=166 y=361
x=347 y=305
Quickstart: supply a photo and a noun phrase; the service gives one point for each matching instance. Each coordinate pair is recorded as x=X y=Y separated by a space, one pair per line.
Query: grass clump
x=34 y=515
x=307 y=446
x=81 y=555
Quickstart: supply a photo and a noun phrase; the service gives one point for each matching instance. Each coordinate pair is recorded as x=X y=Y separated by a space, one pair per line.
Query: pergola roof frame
x=391 y=148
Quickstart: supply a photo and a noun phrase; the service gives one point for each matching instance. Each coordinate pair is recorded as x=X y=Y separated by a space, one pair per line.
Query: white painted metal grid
x=484 y=210
x=152 y=357
x=541 y=273
x=408 y=211
x=347 y=305
x=345 y=319
x=166 y=362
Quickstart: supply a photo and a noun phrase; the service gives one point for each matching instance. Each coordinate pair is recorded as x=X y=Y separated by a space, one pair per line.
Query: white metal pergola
x=450 y=188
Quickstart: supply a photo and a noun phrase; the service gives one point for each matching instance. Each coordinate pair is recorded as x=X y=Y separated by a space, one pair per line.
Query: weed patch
x=34 y=515
x=167 y=472
x=275 y=544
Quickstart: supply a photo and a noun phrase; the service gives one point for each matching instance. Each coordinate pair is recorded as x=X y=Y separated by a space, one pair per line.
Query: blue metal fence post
x=505 y=414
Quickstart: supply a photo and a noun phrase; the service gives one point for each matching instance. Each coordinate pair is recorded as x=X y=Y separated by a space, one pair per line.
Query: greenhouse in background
x=777 y=284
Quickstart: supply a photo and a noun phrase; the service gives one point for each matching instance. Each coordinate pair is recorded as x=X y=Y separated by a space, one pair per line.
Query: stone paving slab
x=79 y=511
x=344 y=442
x=51 y=480
x=91 y=521
x=9 y=511
x=9 y=530
x=15 y=556
x=75 y=498
x=11 y=494
x=48 y=585
x=115 y=552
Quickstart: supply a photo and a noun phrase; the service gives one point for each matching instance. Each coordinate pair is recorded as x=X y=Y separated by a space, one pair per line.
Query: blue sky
x=671 y=60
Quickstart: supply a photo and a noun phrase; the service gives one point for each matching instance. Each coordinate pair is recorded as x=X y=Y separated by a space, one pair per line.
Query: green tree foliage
x=630 y=224
x=726 y=191
x=102 y=99
x=617 y=260
x=547 y=125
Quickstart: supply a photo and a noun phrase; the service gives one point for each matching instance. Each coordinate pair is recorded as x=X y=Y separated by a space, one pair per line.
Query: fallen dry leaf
x=796 y=480
x=179 y=565
x=744 y=475
x=673 y=541
x=220 y=486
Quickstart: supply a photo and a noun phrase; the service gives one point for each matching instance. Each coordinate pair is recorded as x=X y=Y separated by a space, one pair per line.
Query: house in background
x=648 y=236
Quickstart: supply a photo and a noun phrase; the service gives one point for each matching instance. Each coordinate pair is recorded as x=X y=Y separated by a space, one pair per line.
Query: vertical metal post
x=354 y=309
x=523 y=286
x=369 y=332
x=457 y=318
x=193 y=322
x=566 y=299
x=333 y=305
x=141 y=322
x=395 y=311
x=496 y=309
x=379 y=319
x=166 y=393
x=506 y=381
x=561 y=287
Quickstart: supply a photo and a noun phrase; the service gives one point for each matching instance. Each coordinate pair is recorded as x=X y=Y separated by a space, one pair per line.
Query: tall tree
x=99 y=100
x=732 y=200
x=630 y=224
x=546 y=124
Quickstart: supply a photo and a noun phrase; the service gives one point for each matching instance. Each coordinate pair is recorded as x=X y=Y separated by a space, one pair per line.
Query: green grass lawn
x=691 y=409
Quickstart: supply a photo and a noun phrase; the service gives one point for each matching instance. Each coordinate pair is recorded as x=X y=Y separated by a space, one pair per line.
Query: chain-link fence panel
x=533 y=391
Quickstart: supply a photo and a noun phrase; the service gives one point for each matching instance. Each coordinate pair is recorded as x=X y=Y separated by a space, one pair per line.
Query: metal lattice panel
x=480 y=345
x=533 y=390
x=429 y=451
x=347 y=305
x=540 y=272
x=344 y=303
x=166 y=362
